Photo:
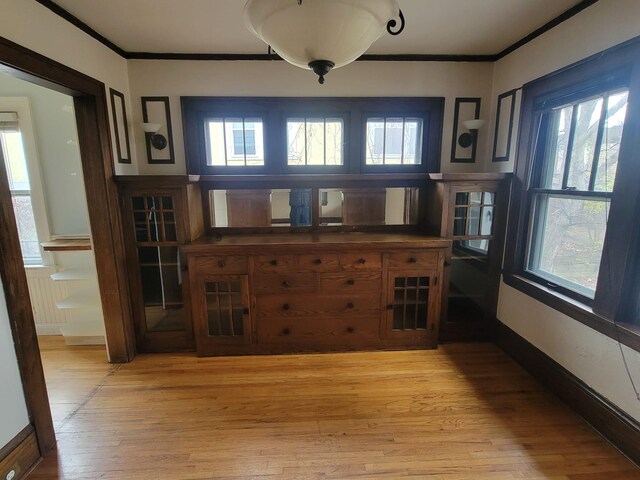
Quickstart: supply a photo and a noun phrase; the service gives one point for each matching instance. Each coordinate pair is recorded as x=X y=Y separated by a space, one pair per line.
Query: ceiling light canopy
x=321 y=34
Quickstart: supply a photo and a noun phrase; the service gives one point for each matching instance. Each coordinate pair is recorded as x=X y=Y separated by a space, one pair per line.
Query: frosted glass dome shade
x=334 y=31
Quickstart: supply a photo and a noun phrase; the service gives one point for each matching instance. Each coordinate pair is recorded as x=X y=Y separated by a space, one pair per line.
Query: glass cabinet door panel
x=225 y=308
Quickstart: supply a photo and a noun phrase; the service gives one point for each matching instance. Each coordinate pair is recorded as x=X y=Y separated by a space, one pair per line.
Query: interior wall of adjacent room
x=591 y=356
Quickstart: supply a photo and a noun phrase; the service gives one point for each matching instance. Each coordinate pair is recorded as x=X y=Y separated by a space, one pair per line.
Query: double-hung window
x=15 y=163
x=576 y=152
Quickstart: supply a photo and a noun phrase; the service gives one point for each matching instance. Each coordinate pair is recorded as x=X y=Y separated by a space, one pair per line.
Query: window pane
x=612 y=134
x=26 y=228
x=568 y=236
x=584 y=143
x=235 y=142
x=393 y=141
x=557 y=153
x=314 y=141
x=15 y=160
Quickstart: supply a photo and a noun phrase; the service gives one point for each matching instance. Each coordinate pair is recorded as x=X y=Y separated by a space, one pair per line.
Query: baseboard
x=20 y=454
x=622 y=430
x=45 y=330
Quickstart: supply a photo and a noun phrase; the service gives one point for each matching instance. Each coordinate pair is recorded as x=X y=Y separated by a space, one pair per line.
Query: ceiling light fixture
x=321 y=34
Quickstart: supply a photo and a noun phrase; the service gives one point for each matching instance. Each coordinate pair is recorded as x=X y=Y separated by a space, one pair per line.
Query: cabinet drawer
x=410 y=259
x=319 y=331
x=318 y=263
x=274 y=263
x=220 y=265
x=360 y=261
x=350 y=282
x=308 y=305
x=284 y=282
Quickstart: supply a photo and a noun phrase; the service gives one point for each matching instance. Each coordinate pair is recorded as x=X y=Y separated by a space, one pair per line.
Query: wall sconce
x=469 y=138
x=157 y=140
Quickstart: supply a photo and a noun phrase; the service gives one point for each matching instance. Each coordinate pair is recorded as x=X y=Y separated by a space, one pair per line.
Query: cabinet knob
x=350 y=329
x=274 y=262
x=361 y=261
x=350 y=305
x=221 y=263
x=390 y=306
x=285 y=306
x=317 y=261
x=413 y=259
x=286 y=331
x=286 y=284
x=245 y=311
x=351 y=282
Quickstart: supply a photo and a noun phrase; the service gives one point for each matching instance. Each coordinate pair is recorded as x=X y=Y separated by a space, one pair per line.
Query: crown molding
x=58 y=10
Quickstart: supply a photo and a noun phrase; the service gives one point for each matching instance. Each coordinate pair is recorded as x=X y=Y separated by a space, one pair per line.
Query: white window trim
x=22 y=107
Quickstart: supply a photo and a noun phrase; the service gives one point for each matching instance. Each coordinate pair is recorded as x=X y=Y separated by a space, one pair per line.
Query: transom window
x=315 y=141
x=393 y=141
x=578 y=145
x=235 y=142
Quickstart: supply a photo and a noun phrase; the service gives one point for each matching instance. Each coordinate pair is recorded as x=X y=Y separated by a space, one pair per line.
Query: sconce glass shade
x=151 y=127
x=476 y=124
x=332 y=31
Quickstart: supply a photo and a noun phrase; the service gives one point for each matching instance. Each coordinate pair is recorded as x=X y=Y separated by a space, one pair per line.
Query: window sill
x=627 y=334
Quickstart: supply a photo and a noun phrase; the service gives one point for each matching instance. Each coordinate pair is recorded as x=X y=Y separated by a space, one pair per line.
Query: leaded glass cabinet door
x=222 y=312
x=158 y=277
x=412 y=305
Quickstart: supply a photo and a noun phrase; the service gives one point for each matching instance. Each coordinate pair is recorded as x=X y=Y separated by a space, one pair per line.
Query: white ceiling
x=455 y=27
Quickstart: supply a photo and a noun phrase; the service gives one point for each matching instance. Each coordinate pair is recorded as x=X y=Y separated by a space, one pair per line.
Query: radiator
x=44 y=293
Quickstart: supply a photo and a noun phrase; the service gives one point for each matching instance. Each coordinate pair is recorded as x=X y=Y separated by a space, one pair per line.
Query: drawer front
x=284 y=283
x=306 y=305
x=319 y=331
x=360 y=261
x=220 y=265
x=274 y=263
x=318 y=263
x=412 y=259
x=351 y=282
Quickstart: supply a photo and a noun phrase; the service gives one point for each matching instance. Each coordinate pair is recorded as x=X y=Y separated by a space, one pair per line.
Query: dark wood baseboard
x=20 y=454
x=616 y=426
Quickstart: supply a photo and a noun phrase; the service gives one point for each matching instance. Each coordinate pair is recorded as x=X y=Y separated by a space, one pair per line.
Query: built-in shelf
x=79 y=301
x=73 y=275
x=67 y=244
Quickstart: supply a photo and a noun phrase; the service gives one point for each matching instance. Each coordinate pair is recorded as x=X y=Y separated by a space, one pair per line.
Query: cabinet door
x=412 y=306
x=154 y=234
x=221 y=313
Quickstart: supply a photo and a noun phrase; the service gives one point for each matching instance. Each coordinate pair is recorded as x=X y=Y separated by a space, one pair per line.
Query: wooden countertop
x=67 y=244
x=300 y=241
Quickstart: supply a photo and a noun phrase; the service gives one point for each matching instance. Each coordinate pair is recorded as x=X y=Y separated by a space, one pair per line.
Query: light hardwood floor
x=459 y=412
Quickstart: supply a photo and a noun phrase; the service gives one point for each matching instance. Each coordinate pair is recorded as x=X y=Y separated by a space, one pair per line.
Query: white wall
x=57 y=144
x=13 y=409
x=260 y=78
x=591 y=356
x=35 y=27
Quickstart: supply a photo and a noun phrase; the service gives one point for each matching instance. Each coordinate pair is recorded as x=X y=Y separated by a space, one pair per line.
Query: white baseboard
x=45 y=330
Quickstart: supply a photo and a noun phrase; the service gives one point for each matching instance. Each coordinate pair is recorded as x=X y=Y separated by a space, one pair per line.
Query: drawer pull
x=274 y=262
x=286 y=284
x=361 y=261
x=351 y=282
x=221 y=263
x=286 y=331
x=350 y=305
x=285 y=306
x=413 y=260
x=350 y=329
x=317 y=261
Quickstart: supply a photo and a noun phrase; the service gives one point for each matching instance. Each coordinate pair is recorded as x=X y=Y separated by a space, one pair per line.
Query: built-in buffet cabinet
x=307 y=292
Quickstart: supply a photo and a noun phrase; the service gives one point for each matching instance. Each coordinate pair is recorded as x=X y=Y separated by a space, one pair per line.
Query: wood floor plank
x=459 y=412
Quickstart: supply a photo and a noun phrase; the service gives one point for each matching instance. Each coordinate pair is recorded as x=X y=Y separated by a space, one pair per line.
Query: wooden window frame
x=611 y=312
x=275 y=111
